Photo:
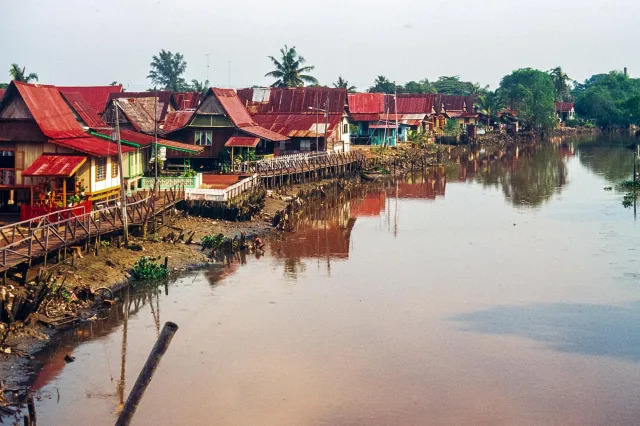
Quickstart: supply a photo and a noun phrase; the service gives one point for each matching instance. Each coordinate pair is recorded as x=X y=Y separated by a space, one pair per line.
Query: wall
x=108 y=182
x=345 y=137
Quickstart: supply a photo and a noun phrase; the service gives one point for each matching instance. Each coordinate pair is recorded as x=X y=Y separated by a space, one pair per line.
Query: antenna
x=207 y=55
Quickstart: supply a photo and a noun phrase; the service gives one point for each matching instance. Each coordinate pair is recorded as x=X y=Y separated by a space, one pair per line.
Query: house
x=46 y=154
x=313 y=118
x=219 y=117
x=187 y=100
x=95 y=96
x=140 y=111
x=375 y=123
x=461 y=109
x=565 y=111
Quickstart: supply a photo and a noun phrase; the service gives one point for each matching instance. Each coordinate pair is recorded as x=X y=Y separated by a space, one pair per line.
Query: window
x=345 y=128
x=114 y=167
x=101 y=169
x=204 y=138
x=305 y=145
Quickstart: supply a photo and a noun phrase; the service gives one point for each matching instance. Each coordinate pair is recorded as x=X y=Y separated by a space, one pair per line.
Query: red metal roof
x=176 y=120
x=2 y=93
x=187 y=100
x=366 y=103
x=297 y=125
x=95 y=96
x=55 y=165
x=52 y=114
x=564 y=106
x=144 y=140
x=263 y=133
x=233 y=107
x=365 y=117
x=242 y=142
x=293 y=100
x=91 y=145
x=414 y=103
x=84 y=110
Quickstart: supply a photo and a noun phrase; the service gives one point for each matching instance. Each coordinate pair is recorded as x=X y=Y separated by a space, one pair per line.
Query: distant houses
x=565 y=111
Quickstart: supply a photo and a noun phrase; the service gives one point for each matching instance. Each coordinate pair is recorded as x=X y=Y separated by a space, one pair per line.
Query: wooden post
x=159 y=349
x=64 y=192
x=123 y=192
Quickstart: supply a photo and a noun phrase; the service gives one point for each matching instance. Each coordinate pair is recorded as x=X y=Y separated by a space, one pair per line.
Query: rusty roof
x=230 y=101
x=366 y=103
x=186 y=100
x=139 y=112
x=84 y=111
x=176 y=120
x=564 y=106
x=55 y=165
x=91 y=145
x=95 y=96
x=415 y=103
x=143 y=140
x=293 y=100
x=297 y=125
x=165 y=100
x=242 y=142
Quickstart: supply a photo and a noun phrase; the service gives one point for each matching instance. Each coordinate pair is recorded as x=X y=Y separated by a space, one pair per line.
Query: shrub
x=148 y=268
x=212 y=241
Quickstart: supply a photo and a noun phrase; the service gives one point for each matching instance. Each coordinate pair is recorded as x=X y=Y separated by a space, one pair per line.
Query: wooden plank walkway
x=31 y=239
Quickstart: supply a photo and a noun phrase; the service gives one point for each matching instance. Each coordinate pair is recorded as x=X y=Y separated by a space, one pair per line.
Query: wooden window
x=345 y=128
x=114 y=167
x=204 y=138
x=101 y=168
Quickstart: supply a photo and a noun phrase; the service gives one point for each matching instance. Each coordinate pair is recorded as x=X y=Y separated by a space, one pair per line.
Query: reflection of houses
x=304 y=114
x=371 y=205
x=423 y=185
x=565 y=111
x=220 y=117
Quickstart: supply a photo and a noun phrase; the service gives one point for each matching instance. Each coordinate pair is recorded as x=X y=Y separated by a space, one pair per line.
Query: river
x=502 y=290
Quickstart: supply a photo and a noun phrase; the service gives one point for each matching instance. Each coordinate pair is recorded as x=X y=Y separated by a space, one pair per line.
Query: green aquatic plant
x=632 y=188
x=212 y=241
x=148 y=268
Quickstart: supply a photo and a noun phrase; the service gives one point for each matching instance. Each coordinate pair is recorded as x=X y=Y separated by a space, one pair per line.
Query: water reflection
x=607 y=156
x=600 y=330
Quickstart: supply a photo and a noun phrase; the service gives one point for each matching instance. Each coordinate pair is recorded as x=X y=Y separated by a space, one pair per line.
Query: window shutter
x=19 y=160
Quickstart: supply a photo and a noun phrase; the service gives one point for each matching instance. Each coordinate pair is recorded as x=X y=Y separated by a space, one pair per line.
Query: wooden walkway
x=31 y=239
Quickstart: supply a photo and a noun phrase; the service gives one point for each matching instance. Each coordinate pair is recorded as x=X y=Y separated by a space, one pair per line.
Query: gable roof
x=564 y=106
x=165 y=100
x=176 y=120
x=95 y=96
x=293 y=100
x=366 y=103
x=84 y=111
x=186 y=100
x=139 y=112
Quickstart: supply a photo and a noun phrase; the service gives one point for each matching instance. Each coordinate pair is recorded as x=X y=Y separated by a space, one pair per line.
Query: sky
x=94 y=42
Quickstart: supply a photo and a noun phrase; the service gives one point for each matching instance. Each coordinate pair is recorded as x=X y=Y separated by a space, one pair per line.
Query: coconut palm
x=289 y=69
x=489 y=103
x=197 y=86
x=19 y=74
x=561 y=83
x=167 y=69
x=341 y=83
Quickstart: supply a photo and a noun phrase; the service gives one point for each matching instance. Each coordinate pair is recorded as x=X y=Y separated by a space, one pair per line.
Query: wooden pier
x=31 y=239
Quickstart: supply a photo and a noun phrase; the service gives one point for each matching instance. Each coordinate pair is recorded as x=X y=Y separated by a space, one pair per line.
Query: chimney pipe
x=625 y=71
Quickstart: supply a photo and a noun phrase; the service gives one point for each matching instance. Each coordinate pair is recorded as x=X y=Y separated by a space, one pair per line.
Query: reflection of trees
x=607 y=157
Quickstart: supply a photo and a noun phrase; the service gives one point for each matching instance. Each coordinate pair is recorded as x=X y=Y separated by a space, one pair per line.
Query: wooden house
x=565 y=111
x=306 y=115
x=219 y=117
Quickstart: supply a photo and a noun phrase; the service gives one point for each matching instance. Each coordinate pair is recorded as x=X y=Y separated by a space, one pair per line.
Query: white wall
x=108 y=182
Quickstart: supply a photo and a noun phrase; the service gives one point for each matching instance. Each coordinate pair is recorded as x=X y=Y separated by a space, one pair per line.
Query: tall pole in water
x=326 y=123
x=123 y=192
x=317 y=118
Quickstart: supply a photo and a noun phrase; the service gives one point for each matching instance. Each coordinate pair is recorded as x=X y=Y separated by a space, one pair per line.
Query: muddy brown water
x=502 y=290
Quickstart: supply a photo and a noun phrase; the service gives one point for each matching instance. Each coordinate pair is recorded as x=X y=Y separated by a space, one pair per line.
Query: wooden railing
x=31 y=238
x=300 y=162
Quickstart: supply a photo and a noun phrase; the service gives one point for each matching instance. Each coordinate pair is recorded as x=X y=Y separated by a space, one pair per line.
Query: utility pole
x=155 y=134
x=395 y=102
x=326 y=123
x=317 y=117
x=123 y=192
x=207 y=55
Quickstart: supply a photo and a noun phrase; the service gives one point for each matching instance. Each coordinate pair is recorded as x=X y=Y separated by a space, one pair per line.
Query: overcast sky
x=93 y=42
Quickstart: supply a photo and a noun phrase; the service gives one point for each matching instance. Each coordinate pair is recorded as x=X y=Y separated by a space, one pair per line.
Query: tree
x=561 y=83
x=422 y=86
x=344 y=84
x=167 y=69
x=490 y=103
x=19 y=74
x=289 y=70
x=202 y=88
x=382 y=85
x=3 y=85
x=451 y=128
x=454 y=86
x=532 y=94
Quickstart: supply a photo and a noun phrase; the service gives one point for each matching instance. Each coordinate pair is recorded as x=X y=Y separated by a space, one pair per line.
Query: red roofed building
x=38 y=126
x=219 y=117
x=303 y=114
x=95 y=96
x=187 y=100
x=565 y=111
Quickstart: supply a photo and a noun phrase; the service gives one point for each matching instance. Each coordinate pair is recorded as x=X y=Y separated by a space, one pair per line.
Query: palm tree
x=19 y=74
x=196 y=86
x=341 y=83
x=561 y=83
x=289 y=69
x=489 y=103
x=167 y=69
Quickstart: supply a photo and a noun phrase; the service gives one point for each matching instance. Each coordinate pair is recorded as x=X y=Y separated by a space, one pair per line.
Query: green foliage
x=190 y=173
x=573 y=122
x=212 y=241
x=19 y=74
x=422 y=86
x=344 y=84
x=610 y=100
x=4 y=85
x=417 y=138
x=167 y=69
x=289 y=70
x=532 y=94
x=561 y=84
x=200 y=87
x=451 y=128
x=454 y=86
x=490 y=103
x=382 y=85
x=148 y=268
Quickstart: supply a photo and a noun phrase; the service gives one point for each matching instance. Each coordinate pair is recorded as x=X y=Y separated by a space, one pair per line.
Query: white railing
x=170 y=181
x=225 y=194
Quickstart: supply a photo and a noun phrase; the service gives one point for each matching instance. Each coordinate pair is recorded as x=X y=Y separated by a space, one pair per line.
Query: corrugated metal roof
x=176 y=120
x=186 y=100
x=366 y=103
x=236 y=112
x=139 y=112
x=365 y=117
x=82 y=108
x=242 y=142
x=95 y=96
x=296 y=125
x=410 y=103
x=263 y=133
x=165 y=100
x=55 y=165
x=91 y=145
x=143 y=140
x=382 y=126
x=52 y=114
x=2 y=93
x=564 y=106
x=294 y=100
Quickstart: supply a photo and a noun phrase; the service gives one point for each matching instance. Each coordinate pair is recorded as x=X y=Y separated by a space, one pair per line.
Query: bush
x=212 y=241
x=572 y=123
x=148 y=268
